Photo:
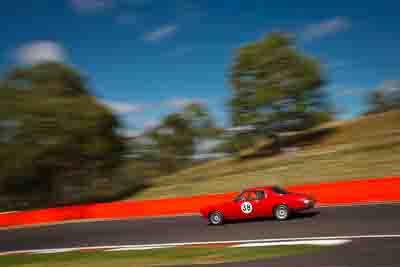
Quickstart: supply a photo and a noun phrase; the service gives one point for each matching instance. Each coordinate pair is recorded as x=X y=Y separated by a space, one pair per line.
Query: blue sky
x=146 y=58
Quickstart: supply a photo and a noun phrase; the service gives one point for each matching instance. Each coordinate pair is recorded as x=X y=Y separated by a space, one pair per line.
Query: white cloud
x=325 y=28
x=342 y=90
x=122 y=107
x=351 y=92
x=90 y=6
x=40 y=51
x=160 y=33
x=130 y=133
x=181 y=102
x=150 y=124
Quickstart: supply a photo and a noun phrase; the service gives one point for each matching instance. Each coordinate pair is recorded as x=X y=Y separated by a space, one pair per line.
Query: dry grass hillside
x=365 y=147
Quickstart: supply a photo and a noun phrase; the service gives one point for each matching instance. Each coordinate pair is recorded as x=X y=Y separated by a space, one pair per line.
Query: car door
x=249 y=205
x=267 y=202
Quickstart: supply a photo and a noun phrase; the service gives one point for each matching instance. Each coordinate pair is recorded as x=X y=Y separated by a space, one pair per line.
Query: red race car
x=270 y=201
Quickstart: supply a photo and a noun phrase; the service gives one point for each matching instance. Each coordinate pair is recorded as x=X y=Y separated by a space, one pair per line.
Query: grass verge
x=158 y=257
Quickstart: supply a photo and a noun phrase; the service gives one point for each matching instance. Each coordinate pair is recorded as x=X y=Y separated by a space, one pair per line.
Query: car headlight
x=307 y=201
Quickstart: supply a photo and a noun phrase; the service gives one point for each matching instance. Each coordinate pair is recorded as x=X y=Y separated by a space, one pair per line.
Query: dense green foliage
x=384 y=98
x=174 y=142
x=200 y=120
x=275 y=88
x=272 y=83
x=58 y=144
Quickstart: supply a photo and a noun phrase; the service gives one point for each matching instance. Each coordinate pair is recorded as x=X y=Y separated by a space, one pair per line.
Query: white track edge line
x=210 y=243
x=327 y=242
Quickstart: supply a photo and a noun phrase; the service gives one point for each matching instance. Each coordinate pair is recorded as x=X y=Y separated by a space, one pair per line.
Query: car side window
x=255 y=195
x=260 y=195
x=251 y=195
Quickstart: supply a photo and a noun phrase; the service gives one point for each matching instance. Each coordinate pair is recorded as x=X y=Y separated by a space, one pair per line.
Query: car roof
x=259 y=188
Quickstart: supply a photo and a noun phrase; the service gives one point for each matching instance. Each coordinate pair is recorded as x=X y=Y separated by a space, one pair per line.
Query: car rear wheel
x=281 y=212
x=216 y=218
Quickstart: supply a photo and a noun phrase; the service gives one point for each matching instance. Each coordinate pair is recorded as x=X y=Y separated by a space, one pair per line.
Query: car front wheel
x=281 y=212
x=215 y=218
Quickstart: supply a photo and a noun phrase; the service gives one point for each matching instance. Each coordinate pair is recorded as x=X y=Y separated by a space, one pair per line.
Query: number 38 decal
x=246 y=207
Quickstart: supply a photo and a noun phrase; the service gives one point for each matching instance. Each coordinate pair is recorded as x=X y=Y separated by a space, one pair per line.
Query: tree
x=175 y=142
x=179 y=136
x=52 y=79
x=386 y=97
x=376 y=102
x=56 y=137
x=274 y=84
x=200 y=120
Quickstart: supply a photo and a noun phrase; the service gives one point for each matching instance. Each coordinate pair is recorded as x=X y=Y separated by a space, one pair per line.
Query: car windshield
x=279 y=190
x=240 y=197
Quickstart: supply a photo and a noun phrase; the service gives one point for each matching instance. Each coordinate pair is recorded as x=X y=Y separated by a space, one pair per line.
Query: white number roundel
x=246 y=207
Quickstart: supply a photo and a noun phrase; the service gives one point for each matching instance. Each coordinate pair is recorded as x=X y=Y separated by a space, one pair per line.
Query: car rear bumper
x=309 y=206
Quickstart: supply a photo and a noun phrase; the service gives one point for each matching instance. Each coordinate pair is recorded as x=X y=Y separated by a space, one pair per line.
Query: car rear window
x=260 y=195
x=279 y=190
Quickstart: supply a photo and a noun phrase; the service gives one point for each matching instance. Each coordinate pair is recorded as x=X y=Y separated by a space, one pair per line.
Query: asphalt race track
x=359 y=253
x=323 y=222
